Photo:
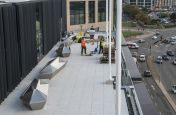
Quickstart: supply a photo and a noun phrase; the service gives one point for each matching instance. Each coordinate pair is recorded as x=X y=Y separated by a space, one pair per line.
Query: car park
x=147 y=73
x=159 y=60
x=173 y=88
x=154 y=37
x=142 y=58
x=174 y=62
x=165 y=57
x=170 y=53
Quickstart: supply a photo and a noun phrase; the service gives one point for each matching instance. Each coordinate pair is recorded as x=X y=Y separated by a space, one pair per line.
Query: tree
x=130 y=10
x=143 y=17
x=164 y=15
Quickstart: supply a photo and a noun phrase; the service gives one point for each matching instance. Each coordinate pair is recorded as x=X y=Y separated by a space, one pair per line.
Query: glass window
x=77 y=13
x=39 y=40
x=91 y=11
x=101 y=10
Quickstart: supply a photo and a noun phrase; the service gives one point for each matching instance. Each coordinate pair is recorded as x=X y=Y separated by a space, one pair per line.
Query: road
x=166 y=71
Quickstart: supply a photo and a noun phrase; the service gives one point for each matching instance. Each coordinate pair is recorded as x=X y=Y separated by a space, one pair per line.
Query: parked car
x=132 y=45
x=157 y=33
x=173 y=42
x=174 y=62
x=154 y=37
x=147 y=73
x=166 y=41
x=170 y=53
x=159 y=60
x=142 y=58
x=165 y=57
x=173 y=88
x=141 y=41
x=134 y=54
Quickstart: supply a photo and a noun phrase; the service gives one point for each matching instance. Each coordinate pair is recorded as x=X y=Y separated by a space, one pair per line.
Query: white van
x=173 y=39
x=132 y=45
x=142 y=58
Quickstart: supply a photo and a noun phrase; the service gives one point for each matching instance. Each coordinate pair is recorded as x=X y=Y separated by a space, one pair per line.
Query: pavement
x=156 y=77
x=79 y=89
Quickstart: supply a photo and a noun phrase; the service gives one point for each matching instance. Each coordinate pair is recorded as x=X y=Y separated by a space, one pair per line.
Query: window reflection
x=77 y=13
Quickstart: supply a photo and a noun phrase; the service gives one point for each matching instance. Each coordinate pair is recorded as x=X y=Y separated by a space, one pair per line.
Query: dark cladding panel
x=11 y=47
x=26 y=18
x=51 y=23
x=3 y=87
x=56 y=20
x=64 y=15
x=47 y=25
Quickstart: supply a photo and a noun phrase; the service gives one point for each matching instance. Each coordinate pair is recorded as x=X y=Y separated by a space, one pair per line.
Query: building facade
x=82 y=14
x=165 y=3
x=142 y=3
x=28 y=29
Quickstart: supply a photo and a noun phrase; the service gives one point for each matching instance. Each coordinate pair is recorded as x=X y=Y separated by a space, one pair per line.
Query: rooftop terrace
x=81 y=88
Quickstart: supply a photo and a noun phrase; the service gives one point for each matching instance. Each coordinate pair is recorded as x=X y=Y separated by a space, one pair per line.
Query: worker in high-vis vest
x=83 y=46
x=78 y=37
x=102 y=44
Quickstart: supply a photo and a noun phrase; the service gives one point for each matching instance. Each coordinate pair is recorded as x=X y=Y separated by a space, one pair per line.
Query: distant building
x=142 y=3
x=165 y=3
x=82 y=14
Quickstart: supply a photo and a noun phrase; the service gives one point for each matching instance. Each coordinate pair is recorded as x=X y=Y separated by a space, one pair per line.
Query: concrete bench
x=36 y=94
x=52 y=69
x=63 y=50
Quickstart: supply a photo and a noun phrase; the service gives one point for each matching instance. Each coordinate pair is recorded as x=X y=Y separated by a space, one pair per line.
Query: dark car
x=166 y=41
x=157 y=33
x=147 y=73
x=170 y=53
x=141 y=41
x=165 y=57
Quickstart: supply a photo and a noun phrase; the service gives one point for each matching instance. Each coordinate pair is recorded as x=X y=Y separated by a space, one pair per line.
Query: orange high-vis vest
x=83 y=43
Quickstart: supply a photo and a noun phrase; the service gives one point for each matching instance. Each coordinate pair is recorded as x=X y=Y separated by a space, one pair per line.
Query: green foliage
x=145 y=10
x=131 y=33
x=170 y=25
x=164 y=15
x=129 y=24
x=137 y=14
x=132 y=11
x=143 y=17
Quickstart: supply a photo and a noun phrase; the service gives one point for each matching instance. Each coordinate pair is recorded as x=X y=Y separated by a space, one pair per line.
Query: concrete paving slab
x=79 y=89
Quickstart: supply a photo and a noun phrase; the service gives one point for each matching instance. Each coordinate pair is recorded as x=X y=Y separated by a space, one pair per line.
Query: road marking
x=160 y=113
x=153 y=87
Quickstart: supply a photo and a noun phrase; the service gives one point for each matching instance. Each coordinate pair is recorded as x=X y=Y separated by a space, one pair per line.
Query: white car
x=173 y=88
x=154 y=37
x=174 y=62
x=132 y=45
x=173 y=43
x=159 y=60
x=142 y=57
